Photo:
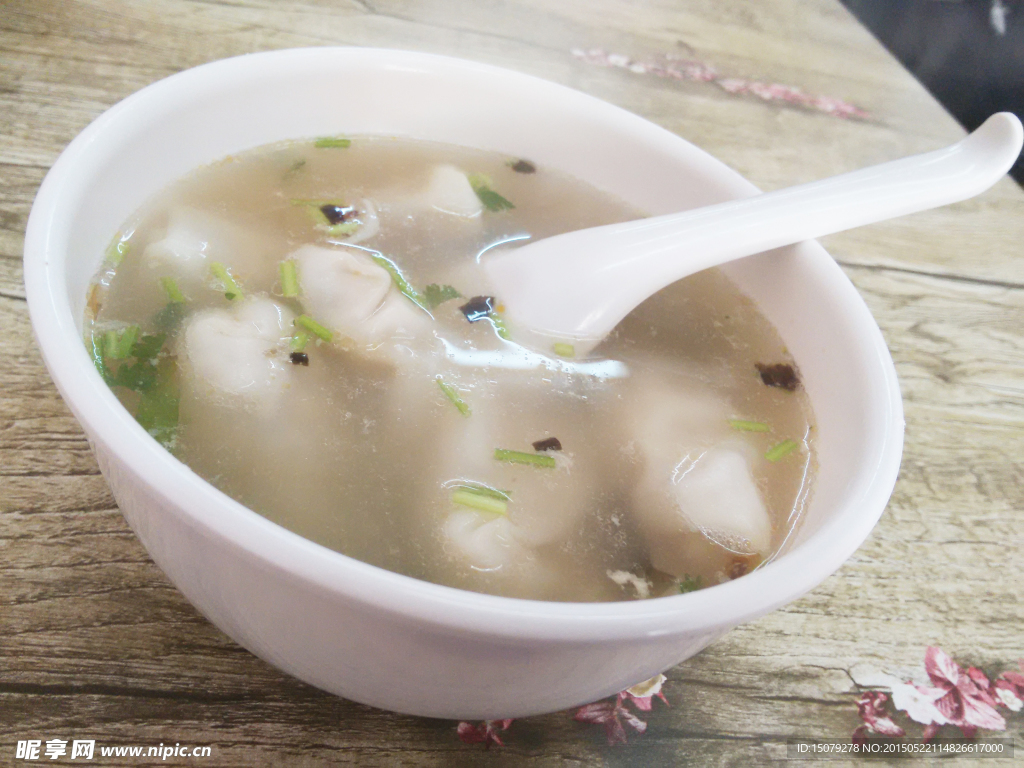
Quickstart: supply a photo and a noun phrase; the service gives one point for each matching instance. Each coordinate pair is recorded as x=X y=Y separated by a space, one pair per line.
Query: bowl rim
x=210 y=511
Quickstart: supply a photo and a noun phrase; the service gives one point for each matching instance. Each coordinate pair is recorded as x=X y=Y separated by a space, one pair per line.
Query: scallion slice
x=299 y=341
x=749 y=426
x=172 y=290
x=345 y=228
x=110 y=345
x=117 y=251
x=118 y=345
x=491 y=200
x=521 y=457
x=231 y=289
x=289 y=279
x=332 y=142
x=96 y=346
x=452 y=394
x=781 y=450
x=404 y=286
x=499 y=326
x=564 y=350
x=126 y=340
x=311 y=325
x=485 y=490
x=473 y=500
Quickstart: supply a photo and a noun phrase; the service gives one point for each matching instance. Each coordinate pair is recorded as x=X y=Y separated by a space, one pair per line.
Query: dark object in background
x=968 y=53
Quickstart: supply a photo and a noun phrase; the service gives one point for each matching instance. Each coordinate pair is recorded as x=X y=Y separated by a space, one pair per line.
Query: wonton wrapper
x=240 y=351
x=696 y=502
x=348 y=292
x=449 y=191
x=194 y=239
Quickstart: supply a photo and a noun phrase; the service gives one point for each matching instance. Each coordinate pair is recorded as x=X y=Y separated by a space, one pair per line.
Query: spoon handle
x=581 y=284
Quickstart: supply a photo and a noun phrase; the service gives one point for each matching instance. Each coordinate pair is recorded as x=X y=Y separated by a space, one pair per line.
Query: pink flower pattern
x=872 y=710
x=966 y=704
x=965 y=698
x=612 y=714
x=674 y=67
x=486 y=733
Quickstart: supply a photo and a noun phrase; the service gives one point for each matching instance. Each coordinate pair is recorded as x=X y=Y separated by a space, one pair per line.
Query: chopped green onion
x=781 y=450
x=491 y=200
x=521 y=457
x=172 y=290
x=485 y=490
x=452 y=394
x=126 y=340
x=96 y=347
x=435 y=294
x=110 y=345
x=314 y=327
x=314 y=209
x=118 y=345
x=499 y=326
x=299 y=341
x=468 y=498
x=564 y=350
x=332 y=142
x=289 y=279
x=231 y=289
x=345 y=228
x=689 y=583
x=749 y=426
x=117 y=251
x=404 y=286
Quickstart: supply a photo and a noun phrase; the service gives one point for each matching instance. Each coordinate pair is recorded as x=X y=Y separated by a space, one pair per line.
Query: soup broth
x=305 y=325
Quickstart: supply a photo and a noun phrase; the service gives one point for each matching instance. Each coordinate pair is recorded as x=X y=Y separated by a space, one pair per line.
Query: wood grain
x=94 y=641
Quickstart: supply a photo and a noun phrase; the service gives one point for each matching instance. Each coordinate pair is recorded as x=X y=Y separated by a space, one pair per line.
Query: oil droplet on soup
x=305 y=325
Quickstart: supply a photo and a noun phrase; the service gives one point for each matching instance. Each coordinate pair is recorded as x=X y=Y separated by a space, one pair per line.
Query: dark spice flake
x=548 y=444
x=523 y=166
x=299 y=358
x=780 y=375
x=336 y=214
x=478 y=308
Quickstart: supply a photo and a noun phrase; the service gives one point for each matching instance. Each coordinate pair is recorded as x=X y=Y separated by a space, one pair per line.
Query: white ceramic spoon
x=575 y=288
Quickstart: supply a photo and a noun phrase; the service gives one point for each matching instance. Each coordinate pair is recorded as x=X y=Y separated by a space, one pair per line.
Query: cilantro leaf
x=139 y=376
x=435 y=294
x=149 y=346
x=690 y=583
x=157 y=412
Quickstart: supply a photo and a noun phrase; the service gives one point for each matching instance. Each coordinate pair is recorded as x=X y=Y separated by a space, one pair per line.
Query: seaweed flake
x=478 y=308
x=781 y=375
x=548 y=444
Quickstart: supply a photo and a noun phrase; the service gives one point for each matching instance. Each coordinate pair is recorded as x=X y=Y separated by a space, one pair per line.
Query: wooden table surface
x=96 y=643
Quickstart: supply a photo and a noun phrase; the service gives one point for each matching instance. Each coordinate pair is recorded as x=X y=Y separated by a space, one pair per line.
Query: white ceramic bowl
x=357 y=630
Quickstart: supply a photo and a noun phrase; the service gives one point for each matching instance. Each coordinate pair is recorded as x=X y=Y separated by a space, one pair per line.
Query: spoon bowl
x=576 y=287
